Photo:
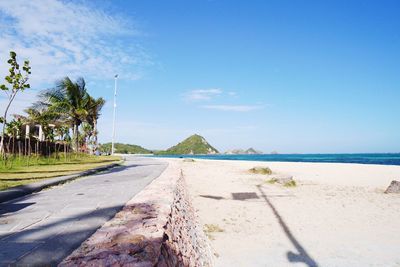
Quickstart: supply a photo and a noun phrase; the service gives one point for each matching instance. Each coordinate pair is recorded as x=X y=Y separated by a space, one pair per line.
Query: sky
x=290 y=76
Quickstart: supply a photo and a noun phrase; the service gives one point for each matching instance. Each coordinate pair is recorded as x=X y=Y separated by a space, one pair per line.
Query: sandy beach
x=337 y=215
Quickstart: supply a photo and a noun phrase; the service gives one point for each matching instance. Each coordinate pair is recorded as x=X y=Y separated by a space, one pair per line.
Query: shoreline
x=390 y=159
x=262 y=161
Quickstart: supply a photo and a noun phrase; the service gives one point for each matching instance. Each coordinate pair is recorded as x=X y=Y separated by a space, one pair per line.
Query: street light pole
x=115 y=109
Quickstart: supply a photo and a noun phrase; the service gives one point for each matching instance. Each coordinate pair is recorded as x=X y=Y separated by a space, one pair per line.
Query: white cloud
x=203 y=94
x=237 y=108
x=232 y=94
x=64 y=38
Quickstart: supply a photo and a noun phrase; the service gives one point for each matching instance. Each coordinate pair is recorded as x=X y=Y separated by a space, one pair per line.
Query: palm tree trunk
x=76 y=138
x=13 y=145
x=8 y=145
x=19 y=148
x=95 y=143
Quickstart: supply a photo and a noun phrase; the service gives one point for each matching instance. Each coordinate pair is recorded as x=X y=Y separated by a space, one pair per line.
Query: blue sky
x=292 y=76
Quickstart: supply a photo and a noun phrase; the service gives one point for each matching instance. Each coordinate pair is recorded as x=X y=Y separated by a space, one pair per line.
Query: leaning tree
x=16 y=80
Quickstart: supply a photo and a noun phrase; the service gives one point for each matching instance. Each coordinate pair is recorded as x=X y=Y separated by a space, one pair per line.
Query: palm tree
x=94 y=108
x=71 y=99
x=86 y=133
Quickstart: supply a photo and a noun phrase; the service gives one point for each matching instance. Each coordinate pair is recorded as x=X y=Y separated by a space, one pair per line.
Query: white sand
x=336 y=216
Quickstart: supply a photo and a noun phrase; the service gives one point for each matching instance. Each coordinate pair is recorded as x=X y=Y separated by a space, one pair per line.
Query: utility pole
x=115 y=109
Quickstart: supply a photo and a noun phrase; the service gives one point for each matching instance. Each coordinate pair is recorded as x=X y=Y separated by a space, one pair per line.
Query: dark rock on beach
x=394 y=187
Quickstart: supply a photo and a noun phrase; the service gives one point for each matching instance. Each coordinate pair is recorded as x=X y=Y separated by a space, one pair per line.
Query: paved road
x=44 y=228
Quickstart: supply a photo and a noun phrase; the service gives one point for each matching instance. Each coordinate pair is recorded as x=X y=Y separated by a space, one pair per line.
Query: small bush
x=272 y=181
x=291 y=183
x=212 y=228
x=261 y=170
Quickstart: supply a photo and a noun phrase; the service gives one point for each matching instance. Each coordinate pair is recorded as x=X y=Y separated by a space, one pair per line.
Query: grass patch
x=212 y=228
x=272 y=181
x=291 y=183
x=261 y=170
x=20 y=171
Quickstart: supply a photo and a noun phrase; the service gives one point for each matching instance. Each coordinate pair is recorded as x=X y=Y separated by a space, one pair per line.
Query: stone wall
x=157 y=227
x=185 y=243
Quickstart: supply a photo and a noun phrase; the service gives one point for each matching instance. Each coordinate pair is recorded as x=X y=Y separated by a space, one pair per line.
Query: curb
x=23 y=190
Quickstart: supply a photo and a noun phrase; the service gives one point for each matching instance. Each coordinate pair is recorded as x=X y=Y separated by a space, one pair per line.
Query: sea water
x=382 y=159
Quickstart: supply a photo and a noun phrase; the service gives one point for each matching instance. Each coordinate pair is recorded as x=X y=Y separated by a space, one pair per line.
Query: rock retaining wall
x=157 y=227
x=185 y=243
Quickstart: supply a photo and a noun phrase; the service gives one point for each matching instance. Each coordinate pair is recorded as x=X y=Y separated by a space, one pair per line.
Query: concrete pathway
x=45 y=227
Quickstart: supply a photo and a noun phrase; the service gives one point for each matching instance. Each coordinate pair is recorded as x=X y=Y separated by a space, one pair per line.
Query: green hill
x=195 y=144
x=124 y=149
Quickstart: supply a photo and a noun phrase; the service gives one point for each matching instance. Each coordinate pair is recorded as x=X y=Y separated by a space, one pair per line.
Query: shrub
x=291 y=183
x=261 y=170
x=272 y=181
x=212 y=228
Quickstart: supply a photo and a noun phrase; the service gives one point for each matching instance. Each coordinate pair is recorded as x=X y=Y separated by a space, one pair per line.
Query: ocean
x=382 y=158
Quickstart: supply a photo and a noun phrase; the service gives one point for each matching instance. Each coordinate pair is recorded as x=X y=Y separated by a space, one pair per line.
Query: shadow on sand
x=301 y=255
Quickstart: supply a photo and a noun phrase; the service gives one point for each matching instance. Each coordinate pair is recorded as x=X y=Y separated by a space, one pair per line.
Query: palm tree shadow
x=13 y=207
x=50 y=242
x=301 y=255
x=53 y=240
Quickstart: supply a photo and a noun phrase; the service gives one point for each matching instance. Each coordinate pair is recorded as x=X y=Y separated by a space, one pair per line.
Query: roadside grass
x=18 y=172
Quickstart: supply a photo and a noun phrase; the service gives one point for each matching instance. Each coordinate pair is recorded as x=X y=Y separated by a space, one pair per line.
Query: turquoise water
x=383 y=159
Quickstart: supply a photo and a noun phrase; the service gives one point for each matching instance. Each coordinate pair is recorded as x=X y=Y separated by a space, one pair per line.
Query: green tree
x=86 y=132
x=71 y=99
x=17 y=80
x=94 y=108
